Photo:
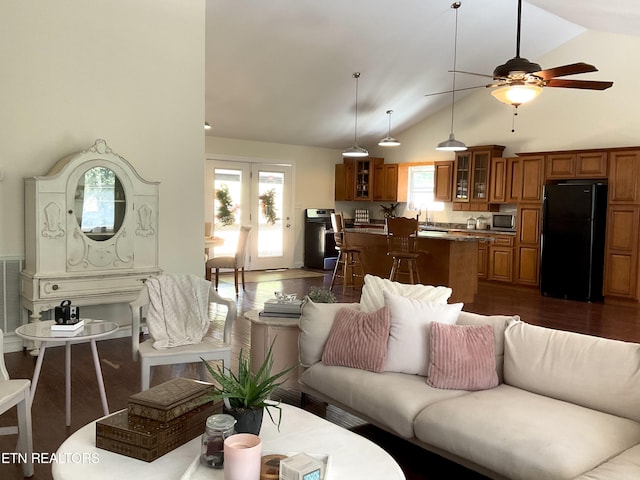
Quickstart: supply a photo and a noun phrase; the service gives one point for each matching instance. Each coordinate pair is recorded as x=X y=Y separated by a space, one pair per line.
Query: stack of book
x=158 y=420
x=276 y=308
x=67 y=329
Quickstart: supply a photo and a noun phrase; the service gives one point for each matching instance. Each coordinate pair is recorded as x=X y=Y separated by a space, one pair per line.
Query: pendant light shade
x=356 y=151
x=453 y=145
x=389 y=141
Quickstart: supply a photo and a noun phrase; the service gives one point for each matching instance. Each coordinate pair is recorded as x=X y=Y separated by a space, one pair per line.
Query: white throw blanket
x=177 y=312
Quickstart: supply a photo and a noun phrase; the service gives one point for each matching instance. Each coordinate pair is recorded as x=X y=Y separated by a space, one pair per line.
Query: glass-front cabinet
x=91 y=232
x=472 y=172
x=364 y=175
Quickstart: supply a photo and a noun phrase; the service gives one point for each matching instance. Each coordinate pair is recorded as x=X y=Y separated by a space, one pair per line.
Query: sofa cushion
x=389 y=399
x=622 y=467
x=409 y=333
x=499 y=324
x=358 y=339
x=595 y=372
x=525 y=436
x=315 y=325
x=462 y=357
x=371 y=298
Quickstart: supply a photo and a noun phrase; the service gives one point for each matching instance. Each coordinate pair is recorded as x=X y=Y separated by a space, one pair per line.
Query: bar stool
x=349 y=263
x=402 y=234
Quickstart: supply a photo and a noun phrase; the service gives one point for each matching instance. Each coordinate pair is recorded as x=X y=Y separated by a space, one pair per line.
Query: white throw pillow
x=408 y=350
x=315 y=324
x=372 y=299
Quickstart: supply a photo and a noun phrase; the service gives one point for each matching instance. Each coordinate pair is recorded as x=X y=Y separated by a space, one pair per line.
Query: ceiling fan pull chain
x=513 y=118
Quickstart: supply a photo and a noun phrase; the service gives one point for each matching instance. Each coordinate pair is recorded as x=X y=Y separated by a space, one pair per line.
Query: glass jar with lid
x=217 y=429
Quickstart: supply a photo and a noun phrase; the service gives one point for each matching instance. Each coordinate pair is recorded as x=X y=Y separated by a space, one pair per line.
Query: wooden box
x=170 y=399
x=147 y=439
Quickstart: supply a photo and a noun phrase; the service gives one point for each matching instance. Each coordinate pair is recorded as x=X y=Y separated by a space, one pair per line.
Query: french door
x=256 y=194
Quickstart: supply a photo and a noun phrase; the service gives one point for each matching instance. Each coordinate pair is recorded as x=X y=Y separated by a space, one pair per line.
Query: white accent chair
x=211 y=348
x=17 y=393
x=235 y=262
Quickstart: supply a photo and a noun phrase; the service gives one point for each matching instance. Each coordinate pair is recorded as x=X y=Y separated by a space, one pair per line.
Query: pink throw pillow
x=462 y=357
x=358 y=339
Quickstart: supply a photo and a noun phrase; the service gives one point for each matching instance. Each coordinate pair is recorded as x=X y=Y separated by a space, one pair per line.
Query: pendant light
x=389 y=141
x=356 y=151
x=453 y=145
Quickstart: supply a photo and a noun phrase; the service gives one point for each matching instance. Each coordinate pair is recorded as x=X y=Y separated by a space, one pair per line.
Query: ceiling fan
x=519 y=81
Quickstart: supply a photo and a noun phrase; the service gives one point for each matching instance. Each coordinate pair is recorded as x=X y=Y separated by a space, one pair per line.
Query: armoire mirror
x=100 y=203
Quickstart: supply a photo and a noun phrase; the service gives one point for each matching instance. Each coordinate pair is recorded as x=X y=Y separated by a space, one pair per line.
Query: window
x=420 y=190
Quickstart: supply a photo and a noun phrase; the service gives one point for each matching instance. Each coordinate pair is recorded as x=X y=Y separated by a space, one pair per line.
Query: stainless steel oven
x=503 y=221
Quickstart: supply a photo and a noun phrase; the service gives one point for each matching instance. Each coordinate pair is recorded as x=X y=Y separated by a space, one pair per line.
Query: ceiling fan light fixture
x=355 y=151
x=451 y=145
x=517 y=94
x=389 y=141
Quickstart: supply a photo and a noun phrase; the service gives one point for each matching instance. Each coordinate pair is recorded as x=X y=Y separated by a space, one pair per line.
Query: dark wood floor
x=122 y=376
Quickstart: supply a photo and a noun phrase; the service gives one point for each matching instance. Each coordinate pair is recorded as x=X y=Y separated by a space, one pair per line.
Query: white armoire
x=91 y=232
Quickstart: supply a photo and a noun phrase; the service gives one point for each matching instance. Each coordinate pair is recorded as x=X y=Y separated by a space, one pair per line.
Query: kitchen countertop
x=431 y=234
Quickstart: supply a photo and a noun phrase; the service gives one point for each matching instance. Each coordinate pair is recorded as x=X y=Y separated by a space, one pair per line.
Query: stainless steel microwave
x=501 y=221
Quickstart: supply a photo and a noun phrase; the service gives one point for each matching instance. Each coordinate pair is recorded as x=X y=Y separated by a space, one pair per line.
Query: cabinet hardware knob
x=54 y=287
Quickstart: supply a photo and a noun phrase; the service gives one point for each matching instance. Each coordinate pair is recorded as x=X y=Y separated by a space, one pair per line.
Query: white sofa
x=567 y=405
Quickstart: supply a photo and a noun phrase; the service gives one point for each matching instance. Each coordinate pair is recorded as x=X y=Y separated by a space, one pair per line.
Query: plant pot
x=247 y=420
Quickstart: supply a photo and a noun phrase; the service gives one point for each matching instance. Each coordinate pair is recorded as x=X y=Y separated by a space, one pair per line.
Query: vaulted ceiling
x=281 y=70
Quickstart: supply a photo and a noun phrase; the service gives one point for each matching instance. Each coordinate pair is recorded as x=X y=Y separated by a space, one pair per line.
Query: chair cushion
x=358 y=340
x=222 y=262
x=462 y=357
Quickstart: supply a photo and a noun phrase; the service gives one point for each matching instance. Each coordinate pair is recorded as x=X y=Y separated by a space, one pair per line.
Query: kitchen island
x=445 y=259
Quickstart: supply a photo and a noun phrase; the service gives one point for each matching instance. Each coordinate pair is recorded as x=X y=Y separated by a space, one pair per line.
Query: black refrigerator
x=573 y=237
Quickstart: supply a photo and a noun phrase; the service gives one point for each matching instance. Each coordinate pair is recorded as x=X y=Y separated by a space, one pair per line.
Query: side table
x=284 y=331
x=92 y=330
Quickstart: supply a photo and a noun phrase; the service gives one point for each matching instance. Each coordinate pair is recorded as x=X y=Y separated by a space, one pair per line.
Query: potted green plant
x=321 y=295
x=246 y=394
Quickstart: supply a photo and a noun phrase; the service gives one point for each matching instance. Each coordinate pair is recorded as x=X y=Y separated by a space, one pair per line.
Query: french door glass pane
x=227 y=209
x=270 y=207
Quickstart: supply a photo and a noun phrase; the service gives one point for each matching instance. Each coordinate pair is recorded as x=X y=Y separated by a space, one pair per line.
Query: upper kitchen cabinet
x=531 y=172
x=567 y=165
x=624 y=168
x=472 y=174
x=345 y=182
x=356 y=179
x=443 y=181
x=385 y=185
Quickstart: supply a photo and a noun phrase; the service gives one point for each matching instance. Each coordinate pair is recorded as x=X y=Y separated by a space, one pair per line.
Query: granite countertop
x=431 y=234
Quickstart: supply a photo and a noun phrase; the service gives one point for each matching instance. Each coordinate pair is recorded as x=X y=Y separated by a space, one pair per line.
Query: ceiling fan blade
x=572 y=69
x=471 y=73
x=451 y=91
x=583 y=84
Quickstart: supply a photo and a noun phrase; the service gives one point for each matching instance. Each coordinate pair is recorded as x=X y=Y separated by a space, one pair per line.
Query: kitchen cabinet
x=500 y=259
x=355 y=179
x=385 y=185
x=527 y=248
x=483 y=259
x=624 y=169
x=472 y=176
x=568 y=165
x=443 y=181
x=621 y=252
x=531 y=175
x=345 y=180
x=498 y=191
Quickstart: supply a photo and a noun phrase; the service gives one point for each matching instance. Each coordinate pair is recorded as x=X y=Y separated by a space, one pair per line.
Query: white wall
x=313 y=171
x=130 y=72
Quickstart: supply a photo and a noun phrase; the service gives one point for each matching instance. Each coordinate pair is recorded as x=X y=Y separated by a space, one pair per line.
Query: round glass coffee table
x=90 y=332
